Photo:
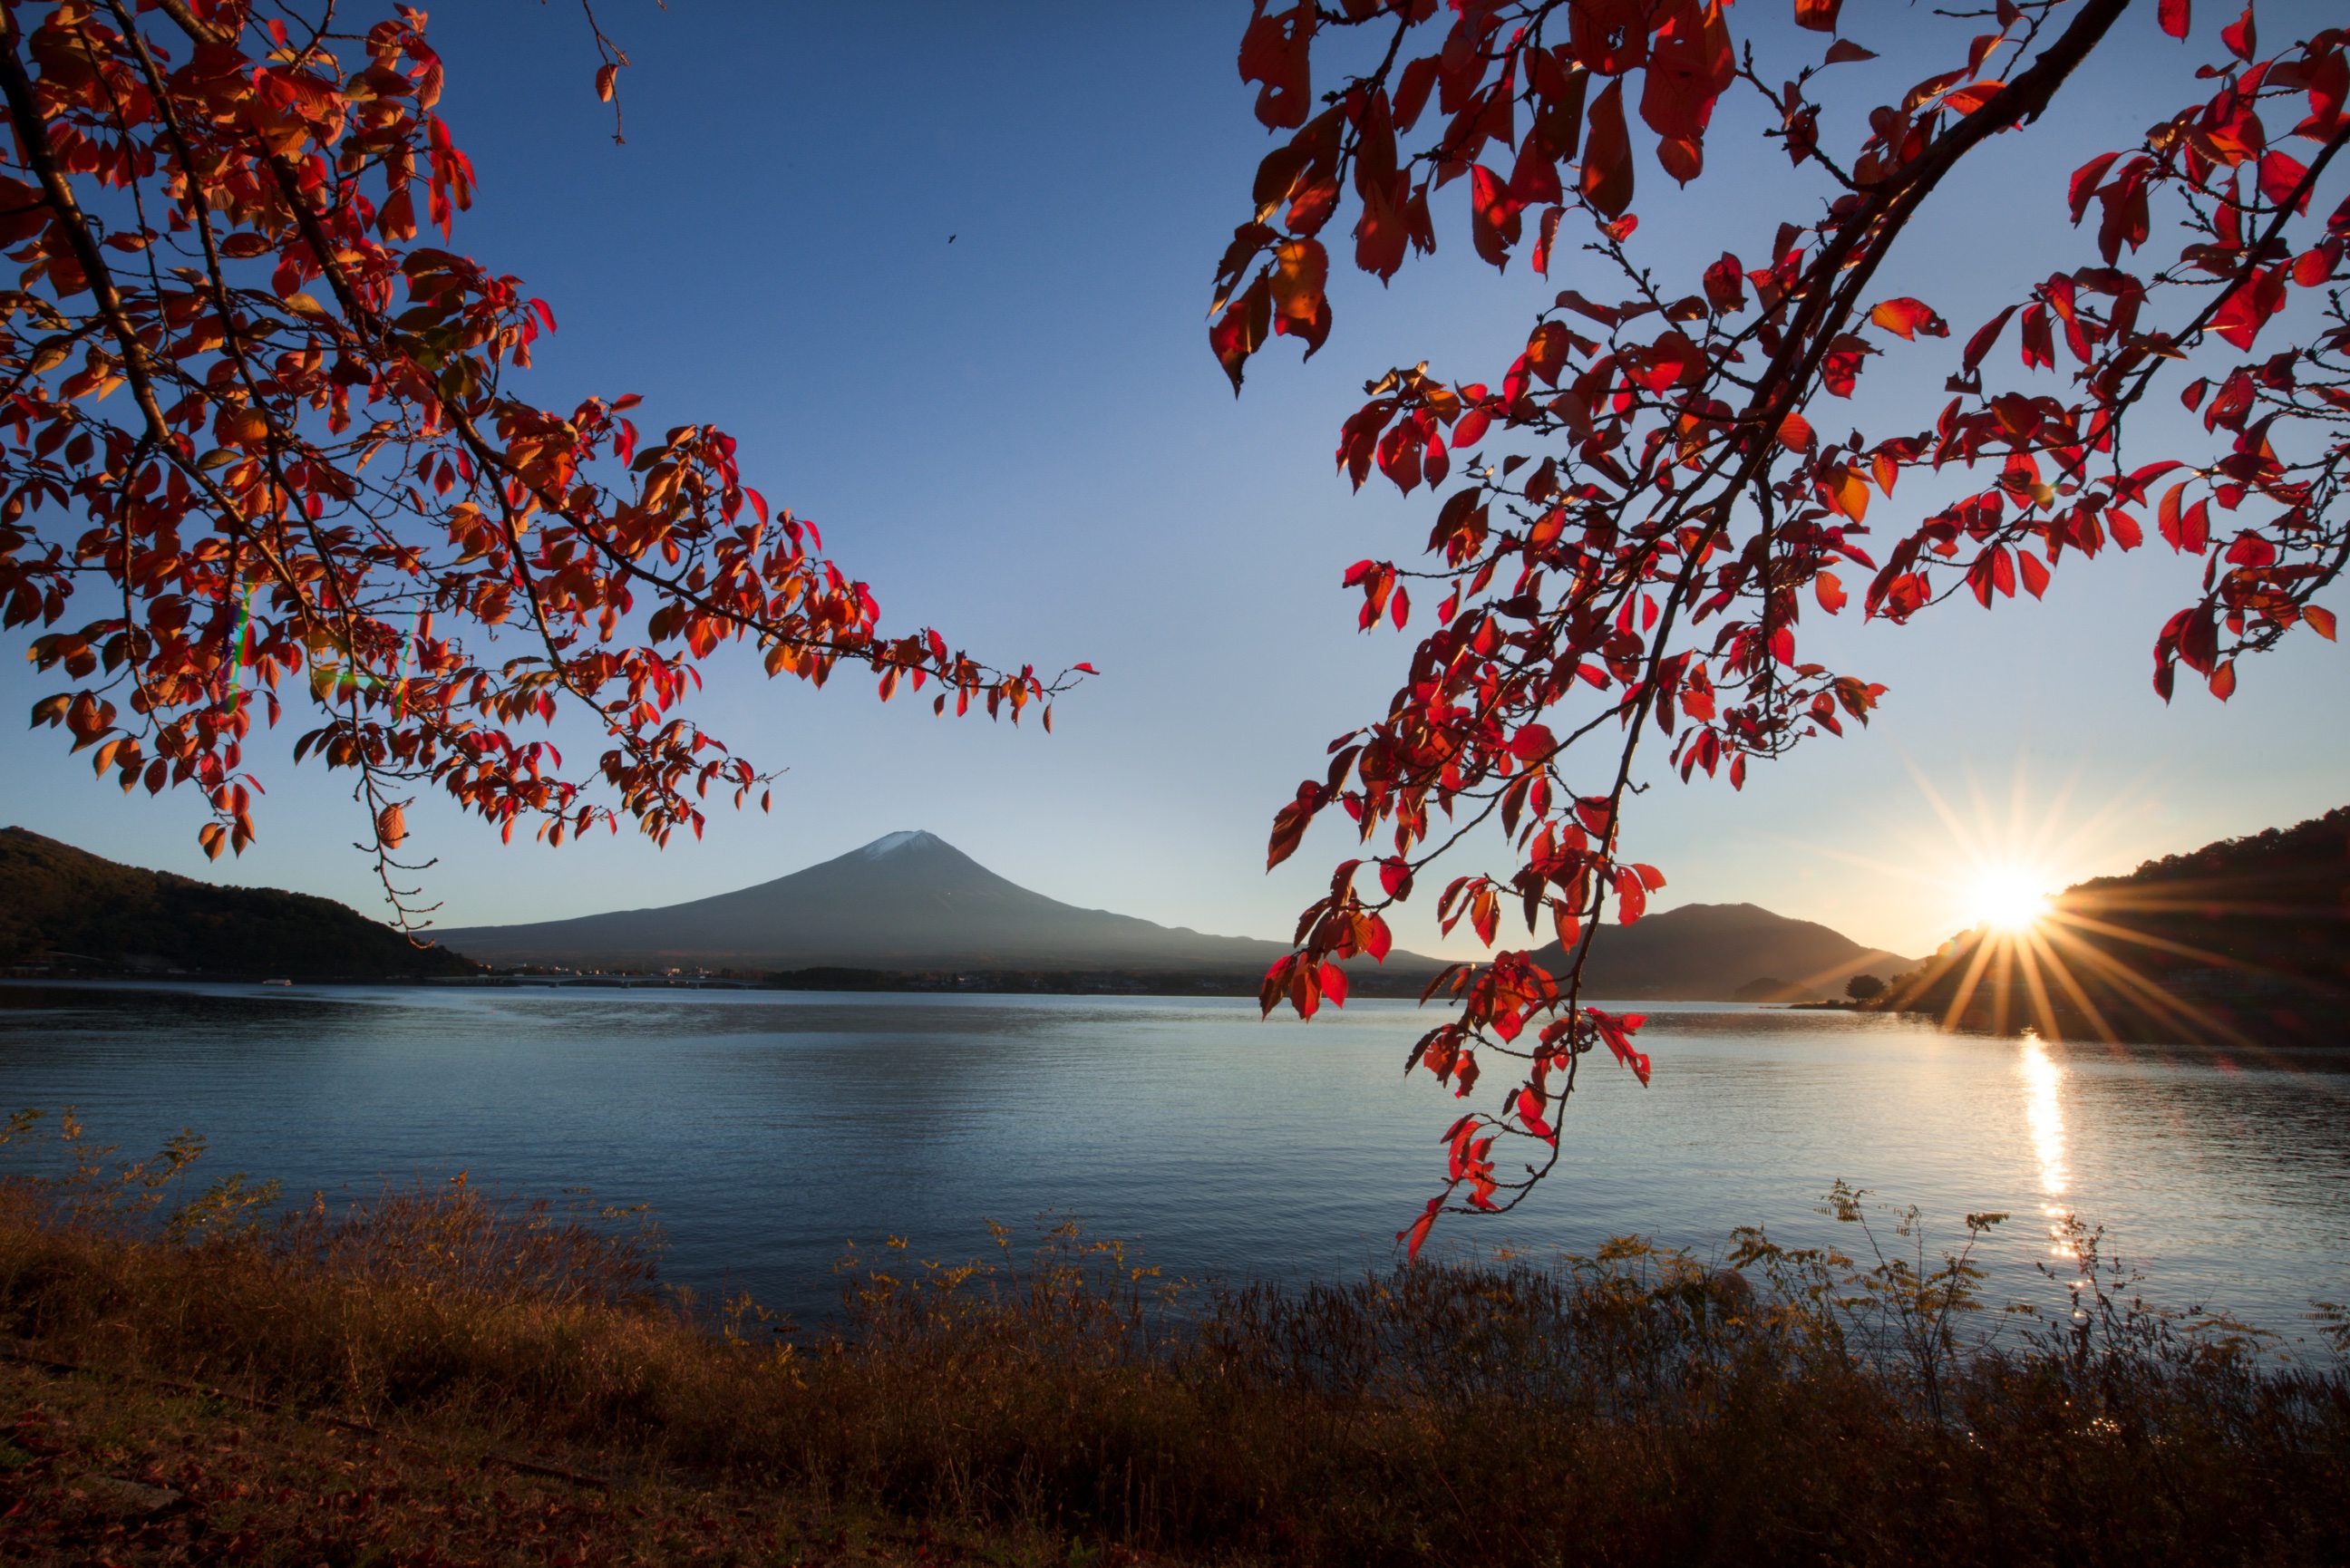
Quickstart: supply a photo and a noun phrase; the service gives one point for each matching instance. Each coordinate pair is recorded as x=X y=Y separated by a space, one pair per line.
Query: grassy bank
x=1062 y=1404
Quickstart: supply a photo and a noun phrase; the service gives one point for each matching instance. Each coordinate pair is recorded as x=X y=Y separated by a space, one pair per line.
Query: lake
x=768 y=1128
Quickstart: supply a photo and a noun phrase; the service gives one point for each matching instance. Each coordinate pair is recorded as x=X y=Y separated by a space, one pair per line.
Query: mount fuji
x=908 y=901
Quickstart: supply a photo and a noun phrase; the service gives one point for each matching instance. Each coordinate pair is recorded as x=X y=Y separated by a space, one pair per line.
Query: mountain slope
x=2276 y=902
x=908 y=901
x=1710 y=952
x=98 y=914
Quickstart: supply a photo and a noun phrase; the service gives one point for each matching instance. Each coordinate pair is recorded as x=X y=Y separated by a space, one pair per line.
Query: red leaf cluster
x=1652 y=495
x=322 y=481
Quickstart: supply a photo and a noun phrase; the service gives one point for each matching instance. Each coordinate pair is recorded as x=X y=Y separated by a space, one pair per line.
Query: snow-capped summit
x=888 y=843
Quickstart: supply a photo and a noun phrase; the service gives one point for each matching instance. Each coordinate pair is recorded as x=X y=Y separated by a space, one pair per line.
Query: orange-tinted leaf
x=1904 y=318
x=1240 y=331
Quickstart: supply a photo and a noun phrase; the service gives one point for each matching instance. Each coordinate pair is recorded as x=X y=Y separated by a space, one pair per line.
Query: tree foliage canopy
x=1653 y=498
x=258 y=438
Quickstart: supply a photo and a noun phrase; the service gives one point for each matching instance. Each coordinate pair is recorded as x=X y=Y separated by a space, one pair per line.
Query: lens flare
x=2009 y=900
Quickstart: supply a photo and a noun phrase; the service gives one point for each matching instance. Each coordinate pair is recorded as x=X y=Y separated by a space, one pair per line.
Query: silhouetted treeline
x=71 y=911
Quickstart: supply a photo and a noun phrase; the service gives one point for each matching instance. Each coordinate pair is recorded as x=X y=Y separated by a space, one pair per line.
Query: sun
x=2007 y=899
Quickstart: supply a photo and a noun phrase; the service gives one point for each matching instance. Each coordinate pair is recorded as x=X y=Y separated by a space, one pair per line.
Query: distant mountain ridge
x=909 y=901
x=912 y=902
x=70 y=909
x=1718 y=953
x=907 y=905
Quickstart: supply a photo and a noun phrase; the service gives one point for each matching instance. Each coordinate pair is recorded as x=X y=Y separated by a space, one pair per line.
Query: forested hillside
x=2245 y=938
x=74 y=911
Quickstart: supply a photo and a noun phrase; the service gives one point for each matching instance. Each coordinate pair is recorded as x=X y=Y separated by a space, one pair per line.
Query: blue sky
x=1021 y=438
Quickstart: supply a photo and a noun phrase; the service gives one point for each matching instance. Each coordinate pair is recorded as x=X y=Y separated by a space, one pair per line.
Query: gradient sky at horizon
x=1020 y=437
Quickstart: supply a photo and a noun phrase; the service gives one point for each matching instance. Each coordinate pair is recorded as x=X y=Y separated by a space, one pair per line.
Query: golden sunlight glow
x=2043 y=1113
x=2044 y=1116
x=2007 y=899
x=2052 y=967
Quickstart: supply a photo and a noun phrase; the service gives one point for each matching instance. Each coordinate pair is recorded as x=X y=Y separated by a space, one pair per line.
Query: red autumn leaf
x=1412 y=90
x=1987 y=335
x=1610 y=36
x=2083 y=188
x=1840 y=366
x=1533 y=178
x=2173 y=15
x=2035 y=575
x=1547 y=237
x=1970 y=98
x=2240 y=36
x=1605 y=180
x=1725 y=285
x=2248 y=309
x=1381 y=235
x=1290 y=823
x=2280 y=174
x=1416 y=1237
x=1493 y=217
x=1819 y=16
x=1275 y=51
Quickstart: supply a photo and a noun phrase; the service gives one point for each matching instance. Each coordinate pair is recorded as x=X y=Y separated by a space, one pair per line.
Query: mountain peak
x=890 y=843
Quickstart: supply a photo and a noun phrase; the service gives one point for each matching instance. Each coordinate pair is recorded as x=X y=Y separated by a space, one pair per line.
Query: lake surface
x=767 y=1128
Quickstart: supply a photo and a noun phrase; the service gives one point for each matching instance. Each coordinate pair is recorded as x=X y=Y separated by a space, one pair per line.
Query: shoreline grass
x=1633 y=1407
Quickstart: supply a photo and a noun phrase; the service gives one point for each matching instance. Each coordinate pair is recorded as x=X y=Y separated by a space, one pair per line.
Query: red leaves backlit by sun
x=1651 y=493
x=320 y=483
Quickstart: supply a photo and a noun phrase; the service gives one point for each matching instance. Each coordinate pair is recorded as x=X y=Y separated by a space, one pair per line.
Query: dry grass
x=1628 y=1408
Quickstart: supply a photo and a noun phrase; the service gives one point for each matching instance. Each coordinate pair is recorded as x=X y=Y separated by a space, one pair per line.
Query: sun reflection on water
x=2045 y=1117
